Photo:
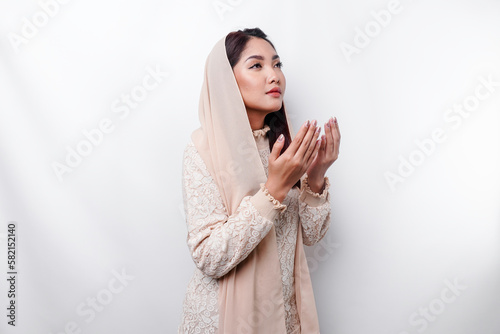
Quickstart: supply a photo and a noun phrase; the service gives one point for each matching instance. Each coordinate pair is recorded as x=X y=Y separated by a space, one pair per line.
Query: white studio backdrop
x=98 y=100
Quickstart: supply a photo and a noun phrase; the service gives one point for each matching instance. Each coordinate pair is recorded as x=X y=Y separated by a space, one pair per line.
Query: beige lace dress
x=209 y=227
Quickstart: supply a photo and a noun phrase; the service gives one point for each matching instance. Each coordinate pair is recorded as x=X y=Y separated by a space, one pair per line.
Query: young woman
x=252 y=197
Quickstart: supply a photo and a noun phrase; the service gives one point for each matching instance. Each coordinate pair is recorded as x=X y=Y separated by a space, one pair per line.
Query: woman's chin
x=268 y=108
x=275 y=107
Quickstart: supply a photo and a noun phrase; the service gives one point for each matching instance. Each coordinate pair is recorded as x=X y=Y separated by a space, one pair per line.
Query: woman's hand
x=327 y=154
x=286 y=169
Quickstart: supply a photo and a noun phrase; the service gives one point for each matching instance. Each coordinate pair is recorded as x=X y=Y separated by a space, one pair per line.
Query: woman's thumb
x=278 y=145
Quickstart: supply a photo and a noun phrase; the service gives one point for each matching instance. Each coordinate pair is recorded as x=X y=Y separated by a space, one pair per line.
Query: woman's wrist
x=316 y=183
x=277 y=192
x=316 y=186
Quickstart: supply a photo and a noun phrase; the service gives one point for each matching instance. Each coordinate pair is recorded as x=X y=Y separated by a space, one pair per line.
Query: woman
x=252 y=197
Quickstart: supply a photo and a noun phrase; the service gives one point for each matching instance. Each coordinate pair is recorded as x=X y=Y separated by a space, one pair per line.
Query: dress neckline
x=261 y=132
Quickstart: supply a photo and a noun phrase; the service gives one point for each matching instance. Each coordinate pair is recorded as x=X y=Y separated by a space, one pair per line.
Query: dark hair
x=236 y=42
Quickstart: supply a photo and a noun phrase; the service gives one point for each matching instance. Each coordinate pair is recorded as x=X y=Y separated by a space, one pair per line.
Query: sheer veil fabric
x=250 y=295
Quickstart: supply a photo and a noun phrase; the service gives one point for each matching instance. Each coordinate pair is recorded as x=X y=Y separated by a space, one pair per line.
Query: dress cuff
x=311 y=198
x=266 y=204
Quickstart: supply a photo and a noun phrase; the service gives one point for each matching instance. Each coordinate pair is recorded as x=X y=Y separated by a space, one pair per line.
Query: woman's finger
x=312 y=145
x=321 y=151
x=315 y=152
x=276 y=149
x=329 y=136
x=299 y=137
x=307 y=145
x=336 y=138
x=323 y=143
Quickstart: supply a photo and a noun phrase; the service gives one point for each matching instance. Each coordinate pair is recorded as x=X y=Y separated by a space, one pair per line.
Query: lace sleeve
x=314 y=212
x=219 y=242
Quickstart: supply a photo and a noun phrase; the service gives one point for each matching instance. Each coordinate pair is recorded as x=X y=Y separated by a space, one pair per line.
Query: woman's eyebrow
x=261 y=58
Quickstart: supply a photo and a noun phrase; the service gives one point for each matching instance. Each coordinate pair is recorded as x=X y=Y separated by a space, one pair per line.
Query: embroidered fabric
x=277 y=204
x=218 y=242
x=261 y=132
x=318 y=195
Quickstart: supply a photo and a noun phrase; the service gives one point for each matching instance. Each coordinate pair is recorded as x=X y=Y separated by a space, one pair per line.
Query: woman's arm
x=219 y=242
x=314 y=212
x=315 y=208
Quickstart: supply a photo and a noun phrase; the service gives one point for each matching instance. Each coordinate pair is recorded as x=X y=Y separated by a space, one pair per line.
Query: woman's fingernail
x=335 y=119
x=314 y=122
x=318 y=129
x=280 y=138
x=328 y=124
x=307 y=124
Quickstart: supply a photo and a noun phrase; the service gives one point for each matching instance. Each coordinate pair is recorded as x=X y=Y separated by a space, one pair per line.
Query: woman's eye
x=279 y=65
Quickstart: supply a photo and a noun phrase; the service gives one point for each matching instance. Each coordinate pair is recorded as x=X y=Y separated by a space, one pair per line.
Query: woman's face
x=257 y=72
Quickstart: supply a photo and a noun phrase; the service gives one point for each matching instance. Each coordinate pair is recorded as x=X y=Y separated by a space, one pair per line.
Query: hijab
x=250 y=295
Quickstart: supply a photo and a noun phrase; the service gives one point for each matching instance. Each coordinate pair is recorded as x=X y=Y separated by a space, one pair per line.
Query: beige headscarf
x=250 y=295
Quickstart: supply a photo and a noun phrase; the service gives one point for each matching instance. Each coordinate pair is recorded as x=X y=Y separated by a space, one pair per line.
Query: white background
x=389 y=252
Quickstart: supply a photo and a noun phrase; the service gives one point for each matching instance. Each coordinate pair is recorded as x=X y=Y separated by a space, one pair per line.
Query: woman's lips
x=274 y=92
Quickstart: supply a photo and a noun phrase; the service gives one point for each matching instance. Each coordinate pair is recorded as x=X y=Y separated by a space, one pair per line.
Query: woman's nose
x=273 y=77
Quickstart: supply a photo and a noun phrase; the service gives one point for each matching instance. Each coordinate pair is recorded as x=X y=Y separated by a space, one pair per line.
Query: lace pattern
x=318 y=195
x=277 y=204
x=200 y=305
x=261 y=132
x=214 y=239
x=218 y=242
x=315 y=219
